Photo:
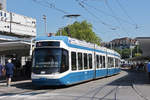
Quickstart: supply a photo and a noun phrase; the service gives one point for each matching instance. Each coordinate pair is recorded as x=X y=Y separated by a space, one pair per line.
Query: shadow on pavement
x=30 y=86
x=133 y=77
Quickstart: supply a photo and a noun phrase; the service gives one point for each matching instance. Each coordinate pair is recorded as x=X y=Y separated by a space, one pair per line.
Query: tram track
x=97 y=91
x=139 y=93
x=101 y=89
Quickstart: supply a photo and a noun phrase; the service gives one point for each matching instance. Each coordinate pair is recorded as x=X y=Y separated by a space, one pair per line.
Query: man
x=1 y=68
x=9 y=72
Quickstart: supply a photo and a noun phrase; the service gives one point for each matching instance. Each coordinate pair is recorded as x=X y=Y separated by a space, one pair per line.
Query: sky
x=111 y=19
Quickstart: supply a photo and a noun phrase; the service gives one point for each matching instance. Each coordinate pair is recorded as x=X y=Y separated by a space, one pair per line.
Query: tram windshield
x=50 y=60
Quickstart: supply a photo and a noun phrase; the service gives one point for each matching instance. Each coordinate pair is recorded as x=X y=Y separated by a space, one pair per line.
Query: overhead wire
x=125 y=12
x=45 y=3
x=105 y=13
x=89 y=12
x=108 y=6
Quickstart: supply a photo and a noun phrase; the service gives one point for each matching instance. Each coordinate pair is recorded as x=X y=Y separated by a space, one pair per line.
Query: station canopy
x=14 y=46
x=18 y=45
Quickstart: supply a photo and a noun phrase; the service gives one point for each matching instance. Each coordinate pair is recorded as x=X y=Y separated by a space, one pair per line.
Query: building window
x=73 y=61
x=1 y=14
x=4 y=14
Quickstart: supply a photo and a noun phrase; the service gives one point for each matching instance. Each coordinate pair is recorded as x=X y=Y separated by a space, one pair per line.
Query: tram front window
x=50 y=60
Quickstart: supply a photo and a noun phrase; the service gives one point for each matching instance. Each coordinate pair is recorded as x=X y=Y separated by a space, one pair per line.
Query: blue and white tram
x=61 y=60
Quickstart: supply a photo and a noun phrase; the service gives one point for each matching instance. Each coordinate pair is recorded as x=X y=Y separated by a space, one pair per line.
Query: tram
x=61 y=60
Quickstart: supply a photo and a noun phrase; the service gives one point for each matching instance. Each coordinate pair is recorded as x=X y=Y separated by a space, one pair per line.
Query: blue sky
x=110 y=18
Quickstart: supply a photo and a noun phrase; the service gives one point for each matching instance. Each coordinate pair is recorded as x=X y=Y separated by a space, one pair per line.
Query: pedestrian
x=9 y=72
x=148 y=69
x=1 y=70
x=137 y=66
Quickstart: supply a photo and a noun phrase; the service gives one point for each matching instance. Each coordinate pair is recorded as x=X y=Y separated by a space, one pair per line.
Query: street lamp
x=44 y=18
x=70 y=16
x=131 y=51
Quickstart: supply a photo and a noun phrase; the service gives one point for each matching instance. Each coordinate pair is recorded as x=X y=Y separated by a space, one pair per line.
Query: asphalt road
x=128 y=85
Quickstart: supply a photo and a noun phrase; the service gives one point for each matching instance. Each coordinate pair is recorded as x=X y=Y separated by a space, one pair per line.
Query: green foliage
x=80 y=30
x=136 y=50
x=125 y=53
x=137 y=54
x=118 y=50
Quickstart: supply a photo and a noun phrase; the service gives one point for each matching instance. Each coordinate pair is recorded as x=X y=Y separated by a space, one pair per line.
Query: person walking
x=1 y=70
x=9 y=72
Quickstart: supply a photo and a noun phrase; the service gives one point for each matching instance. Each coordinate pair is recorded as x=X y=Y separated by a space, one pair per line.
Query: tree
x=0 y=6
x=80 y=30
x=125 y=53
x=137 y=51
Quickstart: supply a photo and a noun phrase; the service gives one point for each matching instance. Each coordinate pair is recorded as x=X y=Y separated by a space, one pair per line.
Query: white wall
x=17 y=24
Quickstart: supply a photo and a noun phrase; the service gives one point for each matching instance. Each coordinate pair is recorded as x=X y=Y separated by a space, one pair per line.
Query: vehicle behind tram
x=61 y=60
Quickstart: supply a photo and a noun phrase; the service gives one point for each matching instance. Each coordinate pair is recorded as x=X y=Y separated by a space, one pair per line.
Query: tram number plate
x=43 y=72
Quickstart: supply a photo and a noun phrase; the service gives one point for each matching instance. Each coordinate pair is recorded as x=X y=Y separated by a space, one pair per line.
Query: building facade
x=144 y=43
x=120 y=43
x=16 y=32
x=12 y=24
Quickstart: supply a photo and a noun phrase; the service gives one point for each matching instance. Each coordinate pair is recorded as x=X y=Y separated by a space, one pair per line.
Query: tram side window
x=112 y=62
x=64 y=61
x=97 y=61
x=80 y=61
x=116 y=62
x=109 y=62
x=90 y=61
x=101 y=62
x=73 y=61
x=119 y=63
x=85 y=61
x=103 y=65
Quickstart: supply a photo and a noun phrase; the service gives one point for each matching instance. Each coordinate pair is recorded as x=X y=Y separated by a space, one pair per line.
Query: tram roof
x=68 y=40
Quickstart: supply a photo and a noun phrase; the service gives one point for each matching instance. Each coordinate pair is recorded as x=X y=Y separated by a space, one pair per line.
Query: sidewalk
x=15 y=80
x=3 y=82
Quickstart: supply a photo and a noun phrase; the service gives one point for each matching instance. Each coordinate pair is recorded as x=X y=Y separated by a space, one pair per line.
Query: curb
x=3 y=82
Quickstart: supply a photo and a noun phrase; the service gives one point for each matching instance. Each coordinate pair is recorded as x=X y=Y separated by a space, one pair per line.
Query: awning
x=17 y=45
